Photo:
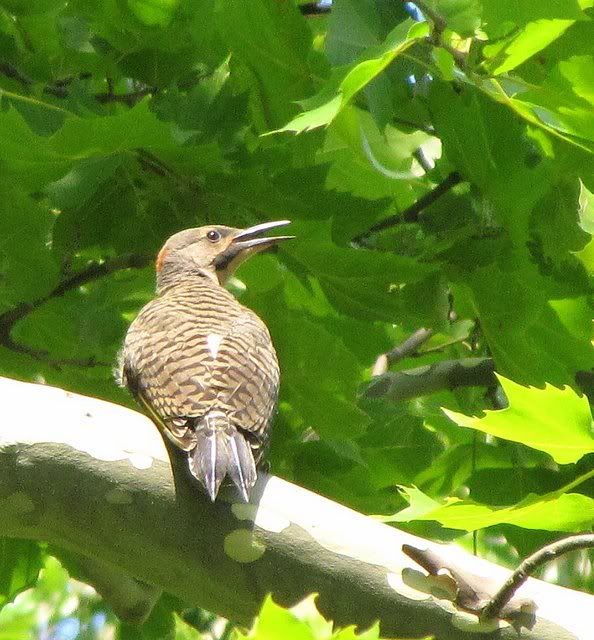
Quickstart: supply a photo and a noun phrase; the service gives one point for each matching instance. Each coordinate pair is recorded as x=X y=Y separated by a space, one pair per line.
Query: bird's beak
x=245 y=243
x=251 y=238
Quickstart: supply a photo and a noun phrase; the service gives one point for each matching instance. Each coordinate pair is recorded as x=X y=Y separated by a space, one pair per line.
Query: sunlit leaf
x=551 y=512
x=556 y=421
x=345 y=84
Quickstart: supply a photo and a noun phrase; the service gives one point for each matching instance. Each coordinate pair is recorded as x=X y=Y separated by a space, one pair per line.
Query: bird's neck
x=167 y=279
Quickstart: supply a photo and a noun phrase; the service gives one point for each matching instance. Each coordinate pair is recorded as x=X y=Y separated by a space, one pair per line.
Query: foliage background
x=122 y=122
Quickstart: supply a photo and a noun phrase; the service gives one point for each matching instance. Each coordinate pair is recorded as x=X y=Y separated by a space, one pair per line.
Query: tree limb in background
x=94 y=478
x=397 y=386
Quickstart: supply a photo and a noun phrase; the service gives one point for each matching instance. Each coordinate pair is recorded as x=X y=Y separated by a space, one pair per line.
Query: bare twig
x=59 y=88
x=10 y=71
x=405 y=349
x=528 y=566
x=425 y=163
x=314 y=9
x=129 y=99
x=468 y=590
x=439 y=23
x=411 y=214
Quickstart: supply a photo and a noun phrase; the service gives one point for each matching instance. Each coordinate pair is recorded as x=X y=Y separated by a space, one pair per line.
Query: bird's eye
x=213 y=235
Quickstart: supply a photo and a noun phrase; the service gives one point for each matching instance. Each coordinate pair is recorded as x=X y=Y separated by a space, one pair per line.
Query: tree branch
x=439 y=23
x=94 y=271
x=397 y=386
x=411 y=214
x=59 y=88
x=529 y=565
x=408 y=347
x=95 y=479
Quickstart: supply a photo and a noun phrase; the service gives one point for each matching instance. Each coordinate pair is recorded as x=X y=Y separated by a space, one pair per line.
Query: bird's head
x=213 y=251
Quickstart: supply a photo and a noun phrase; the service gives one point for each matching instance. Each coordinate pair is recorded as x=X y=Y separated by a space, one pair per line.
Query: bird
x=201 y=364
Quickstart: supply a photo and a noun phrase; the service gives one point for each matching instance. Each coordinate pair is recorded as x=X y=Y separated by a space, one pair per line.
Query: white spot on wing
x=213 y=340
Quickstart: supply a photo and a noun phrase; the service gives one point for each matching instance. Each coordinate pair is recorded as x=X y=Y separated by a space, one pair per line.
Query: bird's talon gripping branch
x=201 y=364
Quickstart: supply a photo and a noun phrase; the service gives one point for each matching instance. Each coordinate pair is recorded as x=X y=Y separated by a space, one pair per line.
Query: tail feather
x=242 y=468
x=222 y=450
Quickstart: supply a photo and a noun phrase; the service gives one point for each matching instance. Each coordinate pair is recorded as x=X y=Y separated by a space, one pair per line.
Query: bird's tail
x=221 y=450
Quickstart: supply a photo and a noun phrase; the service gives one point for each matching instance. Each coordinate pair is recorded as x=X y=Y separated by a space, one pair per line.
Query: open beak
x=251 y=238
x=245 y=243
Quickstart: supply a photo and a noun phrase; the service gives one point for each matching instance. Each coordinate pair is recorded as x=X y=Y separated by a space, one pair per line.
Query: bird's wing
x=255 y=375
x=179 y=369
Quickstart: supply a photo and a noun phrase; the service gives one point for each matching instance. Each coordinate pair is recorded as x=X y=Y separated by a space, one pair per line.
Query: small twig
x=129 y=99
x=439 y=25
x=313 y=9
x=151 y=163
x=439 y=22
x=411 y=214
x=445 y=375
x=59 y=88
x=468 y=590
x=409 y=347
x=44 y=356
x=10 y=71
x=9 y=318
x=528 y=566
x=424 y=162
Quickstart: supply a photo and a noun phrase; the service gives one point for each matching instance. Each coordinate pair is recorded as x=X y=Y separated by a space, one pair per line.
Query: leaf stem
x=574 y=483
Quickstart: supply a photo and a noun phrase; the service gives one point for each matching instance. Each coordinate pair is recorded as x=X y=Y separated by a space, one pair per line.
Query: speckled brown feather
x=204 y=367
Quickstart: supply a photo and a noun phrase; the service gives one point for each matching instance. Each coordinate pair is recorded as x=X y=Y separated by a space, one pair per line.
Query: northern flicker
x=202 y=364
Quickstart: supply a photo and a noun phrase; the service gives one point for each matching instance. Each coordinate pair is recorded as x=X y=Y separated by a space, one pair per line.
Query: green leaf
x=325 y=402
x=275 y=48
x=356 y=25
x=500 y=16
x=27 y=267
x=364 y=284
x=275 y=621
x=25 y=155
x=154 y=12
x=346 y=83
x=571 y=512
x=89 y=137
x=490 y=147
x=564 y=100
x=462 y=16
x=369 y=162
x=20 y=563
x=534 y=37
x=301 y=622
x=556 y=421
x=530 y=340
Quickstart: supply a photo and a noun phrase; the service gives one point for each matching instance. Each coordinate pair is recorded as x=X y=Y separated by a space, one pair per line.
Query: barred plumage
x=202 y=364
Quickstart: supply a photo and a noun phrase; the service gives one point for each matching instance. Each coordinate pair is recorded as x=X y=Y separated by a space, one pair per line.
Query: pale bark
x=95 y=479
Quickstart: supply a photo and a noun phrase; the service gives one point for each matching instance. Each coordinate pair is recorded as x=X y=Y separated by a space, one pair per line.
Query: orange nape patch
x=160 y=258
